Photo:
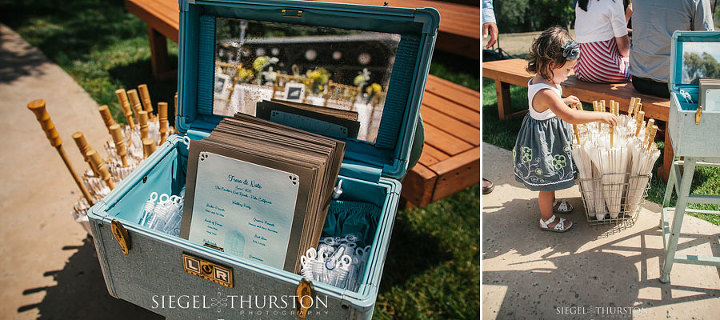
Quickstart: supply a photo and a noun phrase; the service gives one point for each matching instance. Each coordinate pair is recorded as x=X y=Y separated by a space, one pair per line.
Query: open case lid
x=688 y=50
x=318 y=43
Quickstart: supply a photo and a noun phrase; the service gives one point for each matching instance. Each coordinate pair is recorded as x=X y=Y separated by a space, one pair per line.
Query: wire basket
x=614 y=198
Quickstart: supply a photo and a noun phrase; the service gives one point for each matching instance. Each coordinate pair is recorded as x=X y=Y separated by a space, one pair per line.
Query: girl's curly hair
x=546 y=52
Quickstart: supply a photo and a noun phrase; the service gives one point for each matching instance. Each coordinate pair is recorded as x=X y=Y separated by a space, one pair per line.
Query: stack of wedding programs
x=260 y=190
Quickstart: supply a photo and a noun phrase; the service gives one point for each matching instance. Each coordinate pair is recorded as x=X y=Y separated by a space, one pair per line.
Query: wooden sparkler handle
x=163 y=120
x=640 y=117
x=145 y=96
x=106 y=116
x=650 y=123
x=651 y=137
x=119 y=141
x=84 y=148
x=43 y=117
x=631 y=107
x=135 y=101
x=148 y=147
x=125 y=105
x=143 y=120
x=100 y=167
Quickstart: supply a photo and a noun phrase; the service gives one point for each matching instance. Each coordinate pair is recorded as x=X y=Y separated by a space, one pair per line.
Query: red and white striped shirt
x=600 y=61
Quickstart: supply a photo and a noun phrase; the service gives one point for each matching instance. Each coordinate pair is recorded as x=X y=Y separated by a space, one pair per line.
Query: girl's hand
x=571 y=100
x=608 y=118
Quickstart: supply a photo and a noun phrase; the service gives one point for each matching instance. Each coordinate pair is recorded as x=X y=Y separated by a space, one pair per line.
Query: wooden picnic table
x=450 y=161
x=512 y=71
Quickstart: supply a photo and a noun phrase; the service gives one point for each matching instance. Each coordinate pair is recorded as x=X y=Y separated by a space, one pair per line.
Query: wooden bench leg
x=503 y=100
x=159 y=54
x=668 y=155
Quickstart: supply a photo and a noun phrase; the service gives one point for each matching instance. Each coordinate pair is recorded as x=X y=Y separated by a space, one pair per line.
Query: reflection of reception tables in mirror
x=245 y=96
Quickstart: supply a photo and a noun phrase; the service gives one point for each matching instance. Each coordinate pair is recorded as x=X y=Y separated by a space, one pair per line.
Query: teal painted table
x=680 y=182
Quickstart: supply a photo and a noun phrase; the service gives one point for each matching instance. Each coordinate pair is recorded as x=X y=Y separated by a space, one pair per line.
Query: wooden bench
x=512 y=71
x=450 y=160
x=459 y=30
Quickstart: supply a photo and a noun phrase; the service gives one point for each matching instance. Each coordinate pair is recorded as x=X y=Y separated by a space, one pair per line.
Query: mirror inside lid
x=339 y=73
x=700 y=60
x=351 y=72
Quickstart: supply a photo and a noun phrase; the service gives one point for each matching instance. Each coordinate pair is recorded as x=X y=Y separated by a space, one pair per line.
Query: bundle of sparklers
x=615 y=162
x=127 y=147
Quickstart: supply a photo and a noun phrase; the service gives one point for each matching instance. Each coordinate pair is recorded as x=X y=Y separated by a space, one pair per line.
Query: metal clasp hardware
x=292 y=13
x=121 y=236
x=698 y=115
x=208 y=270
x=305 y=293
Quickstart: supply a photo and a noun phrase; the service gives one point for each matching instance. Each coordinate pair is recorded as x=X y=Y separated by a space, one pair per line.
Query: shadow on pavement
x=590 y=266
x=80 y=292
x=18 y=58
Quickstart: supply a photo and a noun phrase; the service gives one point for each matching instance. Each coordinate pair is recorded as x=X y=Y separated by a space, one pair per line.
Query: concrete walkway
x=592 y=270
x=49 y=269
x=518 y=44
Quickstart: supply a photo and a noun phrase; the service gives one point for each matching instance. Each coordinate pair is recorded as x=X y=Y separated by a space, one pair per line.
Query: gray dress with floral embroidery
x=542 y=155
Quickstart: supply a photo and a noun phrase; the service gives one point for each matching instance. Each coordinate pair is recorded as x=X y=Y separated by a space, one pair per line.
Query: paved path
x=518 y=44
x=529 y=274
x=49 y=270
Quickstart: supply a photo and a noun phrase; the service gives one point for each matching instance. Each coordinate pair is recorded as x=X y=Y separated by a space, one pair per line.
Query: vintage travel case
x=182 y=280
x=691 y=124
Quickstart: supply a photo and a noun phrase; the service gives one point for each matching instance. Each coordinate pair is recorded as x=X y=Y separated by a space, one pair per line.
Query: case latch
x=305 y=293
x=292 y=13
x=121 y=236
x=698 y=115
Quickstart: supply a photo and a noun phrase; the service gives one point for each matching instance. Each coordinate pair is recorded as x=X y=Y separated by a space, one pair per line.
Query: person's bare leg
x=545 y=200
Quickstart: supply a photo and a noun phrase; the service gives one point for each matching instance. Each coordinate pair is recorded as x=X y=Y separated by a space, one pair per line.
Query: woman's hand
x=608 y=118
x=571 y=100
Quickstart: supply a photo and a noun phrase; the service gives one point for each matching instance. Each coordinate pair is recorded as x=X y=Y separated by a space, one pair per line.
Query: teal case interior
x=389 y=155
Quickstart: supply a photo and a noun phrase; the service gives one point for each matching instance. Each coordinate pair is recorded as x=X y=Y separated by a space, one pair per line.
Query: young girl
x=542 y=153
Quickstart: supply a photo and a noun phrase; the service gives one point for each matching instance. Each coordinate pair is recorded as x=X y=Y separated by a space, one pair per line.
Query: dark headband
x=571 y=50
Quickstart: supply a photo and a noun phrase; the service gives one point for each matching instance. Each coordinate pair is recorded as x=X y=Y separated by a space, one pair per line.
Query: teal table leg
x=682 y=201
x=668 y=191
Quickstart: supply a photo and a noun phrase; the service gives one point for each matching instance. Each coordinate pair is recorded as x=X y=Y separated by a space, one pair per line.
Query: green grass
x=100 y=44
x=504 y=133
x=432 y=268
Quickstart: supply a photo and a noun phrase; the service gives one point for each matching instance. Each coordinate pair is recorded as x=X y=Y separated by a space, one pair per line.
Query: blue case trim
x=187 y=71
x=206 y=65
x=398 y=91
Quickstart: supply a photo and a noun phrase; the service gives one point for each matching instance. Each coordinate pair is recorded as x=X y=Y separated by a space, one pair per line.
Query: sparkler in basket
x=129 y=145
x=614 y=163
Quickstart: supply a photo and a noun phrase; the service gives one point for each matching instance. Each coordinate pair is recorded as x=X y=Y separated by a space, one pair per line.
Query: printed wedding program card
x=245 y=209
x=259 y=190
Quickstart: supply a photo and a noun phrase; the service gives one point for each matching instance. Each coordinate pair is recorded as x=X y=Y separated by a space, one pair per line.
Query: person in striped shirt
x=601 y=31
